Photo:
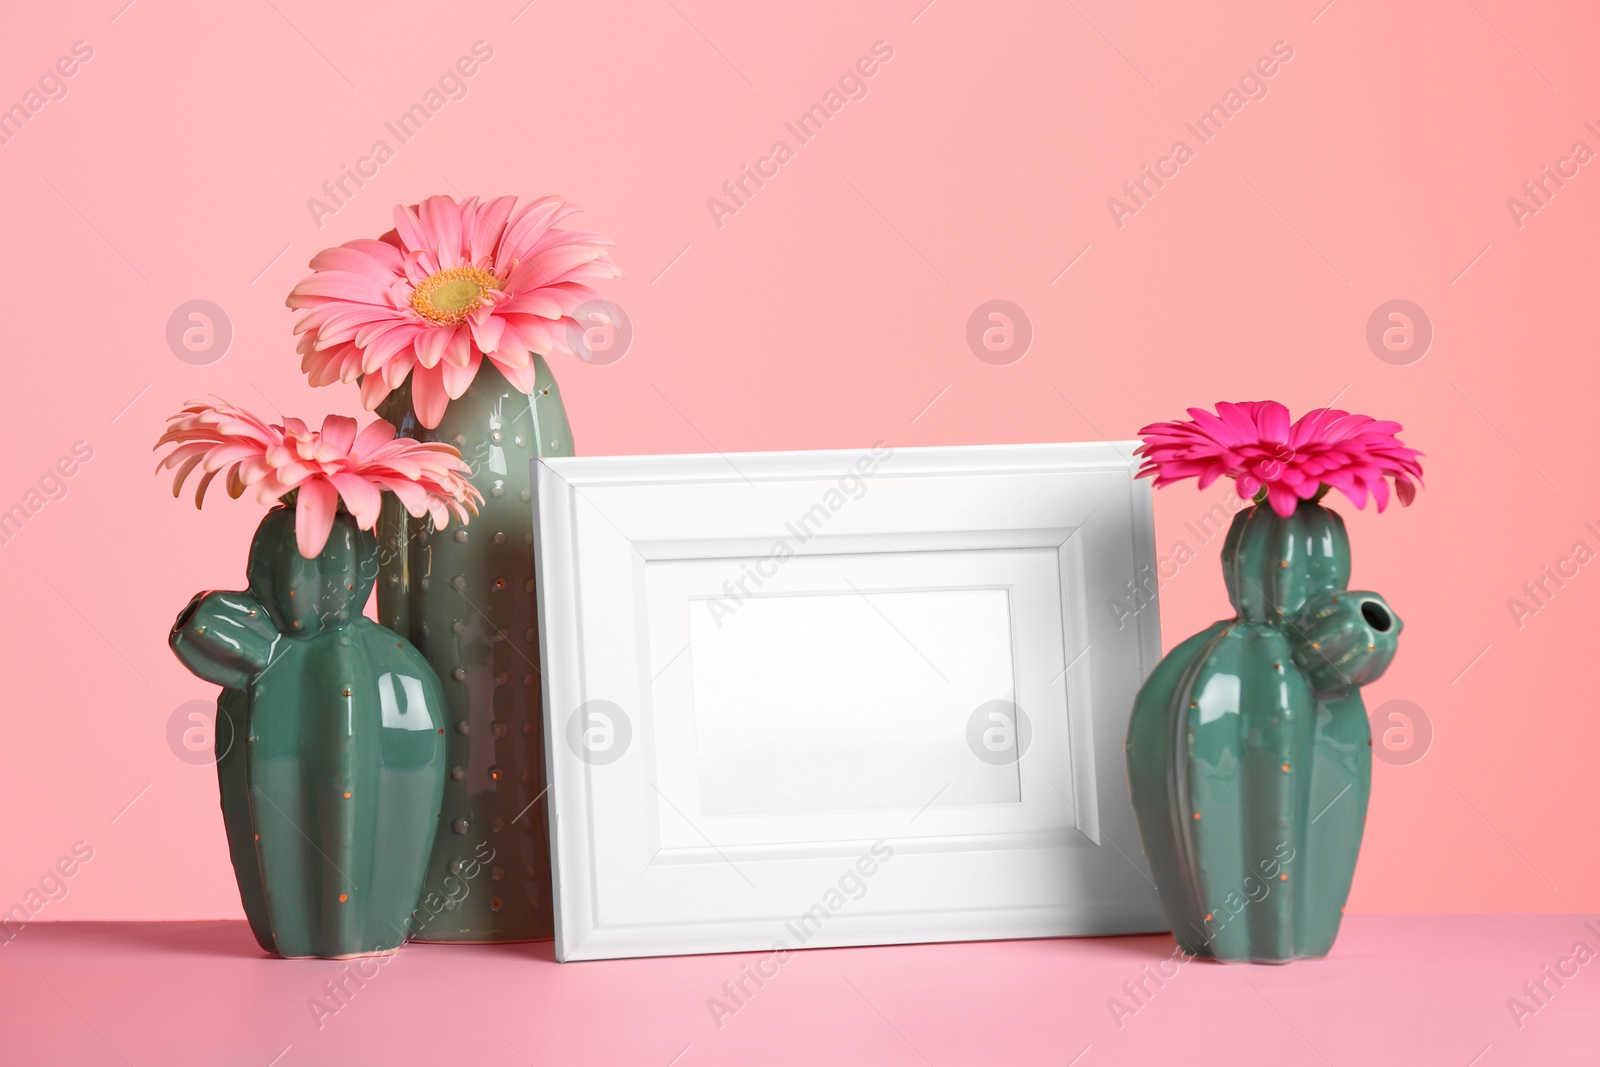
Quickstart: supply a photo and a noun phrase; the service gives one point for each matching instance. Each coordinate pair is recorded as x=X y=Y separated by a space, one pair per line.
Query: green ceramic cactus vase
x=332 y=761
x=465 y=597
x=1249 y=754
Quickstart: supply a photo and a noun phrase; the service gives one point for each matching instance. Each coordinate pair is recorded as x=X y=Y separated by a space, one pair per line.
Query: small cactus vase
x=465 y=596
x=1249 y=754
x=331 y=759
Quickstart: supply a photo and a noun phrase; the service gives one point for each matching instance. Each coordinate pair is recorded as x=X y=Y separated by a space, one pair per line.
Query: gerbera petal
x=1379 y=490
x=488 y=226
x=374 y=390
x=374 y=435
x=525 y=227
x=428 y=395
x=458 y=346
x=456 y=379
x=360 y=496
x=183 y=472
x=411 y=230
x=443 y=218
x=395 y=370
x=338 y=432
x=1282 y=499
x=339 y=284
x=430 y=345
x=412 y=496
x=522 y=377
x=389 y=344
x=205 y=483
x=487 y=329
x=313 y=516
x=1357 y=492
x=353 y=259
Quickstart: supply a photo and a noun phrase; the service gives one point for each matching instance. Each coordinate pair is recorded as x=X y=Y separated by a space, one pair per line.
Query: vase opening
x=1377 y=616
x=185 y=615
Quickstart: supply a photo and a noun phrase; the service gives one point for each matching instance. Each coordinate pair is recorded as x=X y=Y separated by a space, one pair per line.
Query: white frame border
x=1107 y=546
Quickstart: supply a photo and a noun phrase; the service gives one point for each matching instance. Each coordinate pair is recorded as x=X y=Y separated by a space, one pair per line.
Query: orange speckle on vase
x=343 y=898
x=1285 y=766
x=1208 y=916
x=1197 y=814
x=1283 y=877
x=347 y=796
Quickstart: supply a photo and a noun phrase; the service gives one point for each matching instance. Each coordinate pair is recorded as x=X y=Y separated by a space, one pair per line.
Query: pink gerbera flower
x=451 y=284
x=322 y=468
x=1280 y=463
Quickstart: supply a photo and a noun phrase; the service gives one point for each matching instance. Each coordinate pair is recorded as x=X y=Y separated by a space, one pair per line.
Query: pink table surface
x=1397 y=989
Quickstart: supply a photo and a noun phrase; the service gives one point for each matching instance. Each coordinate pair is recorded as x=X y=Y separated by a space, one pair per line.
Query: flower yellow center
x=449 y=296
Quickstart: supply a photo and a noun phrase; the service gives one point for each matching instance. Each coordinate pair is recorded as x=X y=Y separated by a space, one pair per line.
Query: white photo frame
x=781 y=694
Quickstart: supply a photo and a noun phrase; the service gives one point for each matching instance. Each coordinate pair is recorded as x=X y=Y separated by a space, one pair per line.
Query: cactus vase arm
x=225 y=638
x=1345 y=640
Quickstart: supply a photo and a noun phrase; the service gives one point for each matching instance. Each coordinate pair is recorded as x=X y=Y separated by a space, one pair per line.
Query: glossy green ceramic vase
x=465 y=596
x=1249 y=754
x=330 y=746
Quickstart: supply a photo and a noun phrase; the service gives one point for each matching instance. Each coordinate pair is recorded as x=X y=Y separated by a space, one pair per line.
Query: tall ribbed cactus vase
x=466 y=598
x=330 y=744
x=1249 y=755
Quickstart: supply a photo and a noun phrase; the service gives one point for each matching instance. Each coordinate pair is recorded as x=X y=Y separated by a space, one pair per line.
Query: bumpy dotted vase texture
x=1249 y=754
x=330 y=745
x=465 y=596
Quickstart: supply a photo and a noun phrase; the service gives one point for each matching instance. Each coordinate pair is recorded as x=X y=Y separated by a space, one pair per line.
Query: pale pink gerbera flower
x=449 y=285
x=1282 y=464
x=322 y=468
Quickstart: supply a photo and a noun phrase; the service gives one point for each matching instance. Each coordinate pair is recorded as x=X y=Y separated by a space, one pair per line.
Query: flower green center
x=449 y=296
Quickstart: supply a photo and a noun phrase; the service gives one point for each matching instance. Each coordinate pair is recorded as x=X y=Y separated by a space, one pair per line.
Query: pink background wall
x=828 y=311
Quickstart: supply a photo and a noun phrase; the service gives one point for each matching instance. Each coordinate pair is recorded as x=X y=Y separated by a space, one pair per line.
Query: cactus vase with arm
x=332 y=782
x=333 y=771
x=1248 y=751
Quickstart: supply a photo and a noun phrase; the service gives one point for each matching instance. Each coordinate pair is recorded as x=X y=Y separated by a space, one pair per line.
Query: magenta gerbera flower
x=1280 y=463
x=451 y=284
x=322 y=468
